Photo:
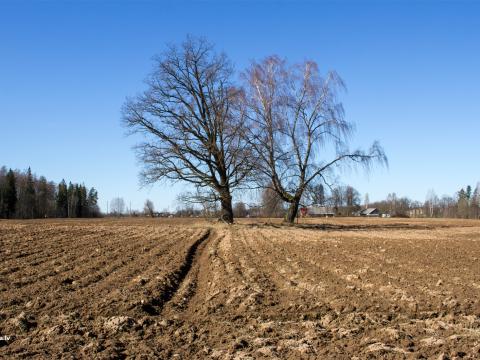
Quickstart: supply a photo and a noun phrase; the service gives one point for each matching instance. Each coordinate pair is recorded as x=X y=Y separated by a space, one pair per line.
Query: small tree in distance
x=117 y=206
x=240 y=210
x=149 y=208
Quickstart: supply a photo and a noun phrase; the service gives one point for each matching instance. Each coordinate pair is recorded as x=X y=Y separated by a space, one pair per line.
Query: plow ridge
x=162 y=288
x=174 y=280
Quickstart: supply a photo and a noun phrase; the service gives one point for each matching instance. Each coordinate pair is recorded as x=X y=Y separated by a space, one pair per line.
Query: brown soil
x=348 y=288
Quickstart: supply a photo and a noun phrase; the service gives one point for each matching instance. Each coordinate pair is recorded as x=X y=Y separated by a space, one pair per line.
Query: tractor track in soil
x=175 y=279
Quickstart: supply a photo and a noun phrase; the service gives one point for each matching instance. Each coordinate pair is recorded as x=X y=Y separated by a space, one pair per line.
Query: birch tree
x=295 y=115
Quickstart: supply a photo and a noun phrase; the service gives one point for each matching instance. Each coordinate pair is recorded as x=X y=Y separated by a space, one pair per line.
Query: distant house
x=370 y=212
x=415 y=213
x=161 y=214
x=320 y=211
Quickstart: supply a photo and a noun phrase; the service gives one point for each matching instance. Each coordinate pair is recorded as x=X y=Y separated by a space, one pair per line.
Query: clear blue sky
x=411 y=68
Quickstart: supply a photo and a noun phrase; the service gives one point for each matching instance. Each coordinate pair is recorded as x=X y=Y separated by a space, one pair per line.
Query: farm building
x=320 y=211
x=370 y=212
x=415 y=213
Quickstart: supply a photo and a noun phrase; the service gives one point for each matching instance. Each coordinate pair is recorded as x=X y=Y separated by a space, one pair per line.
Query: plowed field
x=189 y=289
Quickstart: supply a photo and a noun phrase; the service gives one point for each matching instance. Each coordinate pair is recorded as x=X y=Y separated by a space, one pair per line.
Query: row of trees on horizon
x=346 y=200
x=23 y=195
x=341 y=200
x=464 y=204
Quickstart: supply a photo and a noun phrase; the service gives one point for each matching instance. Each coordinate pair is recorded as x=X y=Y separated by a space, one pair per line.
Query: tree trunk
x=292 y=211
x=227 y=210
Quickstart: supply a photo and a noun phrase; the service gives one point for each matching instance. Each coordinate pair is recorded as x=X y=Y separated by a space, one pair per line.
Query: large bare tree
x=295 y=116
x=192 y=122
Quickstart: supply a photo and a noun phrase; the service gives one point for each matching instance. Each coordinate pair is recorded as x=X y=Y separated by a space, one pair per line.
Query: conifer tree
x=23 y=195
x=81 y=200
x=92 y=200
x=10 y=195
x=42 y=197
x=62 y=199
x=468 y=192
x=462 y=204
x=71 y=196
x=3 y=185
x=30 y=196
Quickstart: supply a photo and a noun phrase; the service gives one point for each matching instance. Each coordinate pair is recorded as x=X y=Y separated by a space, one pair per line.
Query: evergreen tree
x=78 y=205
x=23 y=195
x=30 y=196
x=81 y=198
x=462 y=204
x=10 y=195
x=62 y=200
x=42 y=197
x=72 y=201
x=3 y=186
x=2 y=201
x=468 y=192
x=92 y=200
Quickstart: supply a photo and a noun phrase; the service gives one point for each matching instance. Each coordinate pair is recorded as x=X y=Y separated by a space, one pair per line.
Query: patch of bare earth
x=339 y=289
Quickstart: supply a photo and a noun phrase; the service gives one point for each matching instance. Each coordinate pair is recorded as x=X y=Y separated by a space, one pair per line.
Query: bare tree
x=117 y=206
x=431 y=202
x=192 y=122
x=448 y=206
x=272 y=203
x=240 y=210
x=207 y=199
x=337 y=198
x=315 y=194
x=366 y=201
x=149 y=208
x=392 y=203
x=352 y=200
x=295 y=114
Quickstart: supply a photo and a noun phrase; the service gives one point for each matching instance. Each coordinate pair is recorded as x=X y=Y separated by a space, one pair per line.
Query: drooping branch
x=297 y=114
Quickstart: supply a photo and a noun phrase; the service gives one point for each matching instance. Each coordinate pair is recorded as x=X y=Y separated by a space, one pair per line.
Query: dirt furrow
x=58 y=275
x=137 y=286
x=188 y=285
x=171 y=289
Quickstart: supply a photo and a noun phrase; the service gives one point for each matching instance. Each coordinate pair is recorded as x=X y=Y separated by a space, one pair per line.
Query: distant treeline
x=346 y=201
x=464 y=204
x=23 y=195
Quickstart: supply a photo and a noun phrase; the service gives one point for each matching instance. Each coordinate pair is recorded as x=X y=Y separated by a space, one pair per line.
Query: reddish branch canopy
x=295 y=115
